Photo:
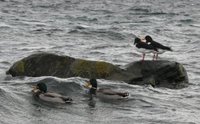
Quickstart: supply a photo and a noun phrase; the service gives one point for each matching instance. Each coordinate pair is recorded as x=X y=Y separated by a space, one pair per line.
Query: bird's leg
x=153 y=56
x=143 y=55
x=157 y=56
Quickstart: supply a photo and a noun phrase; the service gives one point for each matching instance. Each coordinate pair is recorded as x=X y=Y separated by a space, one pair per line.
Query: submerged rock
x=156 y=73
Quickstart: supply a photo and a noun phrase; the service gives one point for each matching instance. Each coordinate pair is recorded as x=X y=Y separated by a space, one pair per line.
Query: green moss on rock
x=82 y=68
x=104 y=69
x=85 y=68
x=19 y=67
x=152 y=82
x=181 y=70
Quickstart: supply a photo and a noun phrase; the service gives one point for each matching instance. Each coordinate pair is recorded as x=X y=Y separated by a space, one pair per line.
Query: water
x=99 y=30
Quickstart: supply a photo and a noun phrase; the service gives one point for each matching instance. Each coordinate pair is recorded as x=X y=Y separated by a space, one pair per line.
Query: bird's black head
x=137 y=40
x=93 y=82
x=42 y=87
x=148 y=39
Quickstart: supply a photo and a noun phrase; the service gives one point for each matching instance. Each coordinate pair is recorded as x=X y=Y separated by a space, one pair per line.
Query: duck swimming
x=40 y=91
x=94 y=91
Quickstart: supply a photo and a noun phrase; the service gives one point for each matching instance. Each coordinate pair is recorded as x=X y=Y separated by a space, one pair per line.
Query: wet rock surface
x=159 y=73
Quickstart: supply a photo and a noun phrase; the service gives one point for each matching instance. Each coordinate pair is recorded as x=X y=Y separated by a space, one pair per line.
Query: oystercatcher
x=161 y=48
x=144 y=48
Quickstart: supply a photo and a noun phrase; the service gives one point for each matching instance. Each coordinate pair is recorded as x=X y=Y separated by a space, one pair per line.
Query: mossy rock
x=42 y=64
x=19 y=68
x=92 y=69
x=104 y=69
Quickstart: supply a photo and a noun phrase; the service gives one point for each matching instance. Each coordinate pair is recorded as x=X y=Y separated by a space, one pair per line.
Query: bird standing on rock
x=144 y=48
x=161 y=48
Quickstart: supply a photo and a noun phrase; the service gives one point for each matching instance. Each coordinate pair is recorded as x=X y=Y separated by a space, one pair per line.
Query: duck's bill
x=87 y=85
x=34 y=87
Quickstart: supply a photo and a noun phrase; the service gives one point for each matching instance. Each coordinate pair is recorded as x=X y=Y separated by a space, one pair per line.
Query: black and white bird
x=161 y=48
x=144 y=48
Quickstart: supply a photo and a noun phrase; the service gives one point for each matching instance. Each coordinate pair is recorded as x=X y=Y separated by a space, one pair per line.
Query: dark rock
x=159 y=73
x=43 y=64
x=46 y=64
x=156 y=73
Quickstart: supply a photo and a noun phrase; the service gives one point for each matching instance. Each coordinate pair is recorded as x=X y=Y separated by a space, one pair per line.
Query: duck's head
x=148 y=39
x=137 y=40
x=93 y=82
x=42 y=87
x=91 y=85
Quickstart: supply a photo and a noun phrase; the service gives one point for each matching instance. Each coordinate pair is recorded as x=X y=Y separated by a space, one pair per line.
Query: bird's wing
x=50 y=94
x=160 y=46
x=146 y=46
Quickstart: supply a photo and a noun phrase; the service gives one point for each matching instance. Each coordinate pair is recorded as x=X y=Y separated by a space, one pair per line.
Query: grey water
x=101 y=30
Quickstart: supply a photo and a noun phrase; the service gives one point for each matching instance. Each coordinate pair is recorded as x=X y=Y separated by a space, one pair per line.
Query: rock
x=46 y=64
x=156 y=73
x=159 y=73
x=42 y=64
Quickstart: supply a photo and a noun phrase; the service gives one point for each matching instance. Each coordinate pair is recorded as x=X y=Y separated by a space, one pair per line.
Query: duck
x=103 y=92
x=144 y=47
x=161 y=48
x=40 y=91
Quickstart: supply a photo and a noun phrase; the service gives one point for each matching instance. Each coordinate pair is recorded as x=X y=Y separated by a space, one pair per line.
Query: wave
x=4 y=26
x=99 y=32
x=87 y=19
x=139 y=9
x=146 y=11
x=186 y=20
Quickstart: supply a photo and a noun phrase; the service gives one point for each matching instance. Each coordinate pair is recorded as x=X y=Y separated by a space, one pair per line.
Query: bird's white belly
x=142 y=50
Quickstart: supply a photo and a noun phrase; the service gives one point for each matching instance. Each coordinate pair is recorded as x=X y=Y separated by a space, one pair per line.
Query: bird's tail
x=166 y=48
x=169 y=49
